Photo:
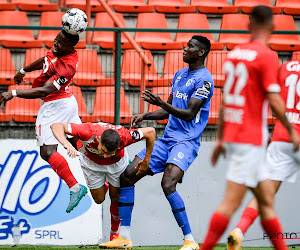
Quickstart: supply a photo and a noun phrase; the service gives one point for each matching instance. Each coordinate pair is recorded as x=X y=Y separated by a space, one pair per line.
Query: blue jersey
x=186 y=84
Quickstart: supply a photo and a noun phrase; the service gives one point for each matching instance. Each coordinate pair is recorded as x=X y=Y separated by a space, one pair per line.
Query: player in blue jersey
x=187 y=109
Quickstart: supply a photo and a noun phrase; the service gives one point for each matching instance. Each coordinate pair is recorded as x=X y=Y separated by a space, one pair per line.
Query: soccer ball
x=74 y=21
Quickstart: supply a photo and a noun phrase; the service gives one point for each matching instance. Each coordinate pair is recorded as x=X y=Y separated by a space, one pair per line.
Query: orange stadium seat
x=131 y=70
x=246 y=6
x=82 y=110
x=89 y=72
x=81 y=4
x=22 y=110
x=171 y=6
x=48 y=36
x=195 y=21
x=105 y=39
x=173 y=63
x=214 y=6
x=36 y=5
x=17 y=38
x=137 y=6
x=154 y=40
x=284 y=42
x=104 y=105
x=4 y=117
x=296 y=55
x=234 y=22
x=31 y=56
x=4 y=5
x=290 y=7
x=164 y=93
x=7 y=67
x=215 y=106
x=214 y=64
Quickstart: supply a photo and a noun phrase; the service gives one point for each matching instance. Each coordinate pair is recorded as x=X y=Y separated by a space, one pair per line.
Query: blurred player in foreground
x=282 y=161
x=251 y=82
x=187 y=109
x=59 y=66
x=104 y=157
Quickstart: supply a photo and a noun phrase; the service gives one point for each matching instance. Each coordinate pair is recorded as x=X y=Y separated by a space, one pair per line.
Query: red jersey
x=89 y=132
x=251 y=71
x=60 y=71
x=289 y=79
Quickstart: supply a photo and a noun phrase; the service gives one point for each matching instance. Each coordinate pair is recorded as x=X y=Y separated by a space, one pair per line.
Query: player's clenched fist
x=18 y=78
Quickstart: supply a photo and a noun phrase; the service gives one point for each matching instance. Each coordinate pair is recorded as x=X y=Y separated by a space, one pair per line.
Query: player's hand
x=5 y=96
x=142 y=166
x=18 y=78
x=147 y=96
x=295 y=139
x=218 y=150
x=72 y=152
x=135 y=120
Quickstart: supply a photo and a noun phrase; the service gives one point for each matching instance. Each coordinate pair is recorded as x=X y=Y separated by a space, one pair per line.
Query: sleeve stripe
x=56 y=84
x=69 y=128
x=274 y=88
x=141 y=133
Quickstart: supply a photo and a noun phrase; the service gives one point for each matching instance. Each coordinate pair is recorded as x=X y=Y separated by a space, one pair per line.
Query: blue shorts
x=181 y=154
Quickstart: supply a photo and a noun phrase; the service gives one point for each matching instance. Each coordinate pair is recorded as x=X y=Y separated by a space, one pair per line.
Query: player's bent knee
x=125 y=180
x=168 y=187
x=99 y=200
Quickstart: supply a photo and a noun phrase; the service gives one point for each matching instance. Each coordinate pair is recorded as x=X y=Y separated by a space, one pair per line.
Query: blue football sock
x=126 y=202
x=179 y=212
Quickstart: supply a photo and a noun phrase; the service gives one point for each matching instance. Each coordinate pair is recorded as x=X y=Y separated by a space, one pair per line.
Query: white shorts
x=96 y=175
x=61 y=110
x=282 y=162
x=246 y=164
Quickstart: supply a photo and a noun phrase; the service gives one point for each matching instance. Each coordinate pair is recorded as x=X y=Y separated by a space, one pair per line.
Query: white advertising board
x=33 y=200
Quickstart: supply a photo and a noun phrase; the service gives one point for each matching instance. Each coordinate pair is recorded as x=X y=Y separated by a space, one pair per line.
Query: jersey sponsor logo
x=189 y=82
x=233 y=115
x=178 y=79
x=204 y=91
x=243 y=54
x=293 y=117
x=293 y=66
x=179 y=95
x=62 y=80
x=176 y=160
x=180 y=155
x=135 y=135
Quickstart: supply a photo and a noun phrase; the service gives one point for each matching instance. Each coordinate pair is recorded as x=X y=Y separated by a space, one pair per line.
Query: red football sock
x=217 y=226
x=114 y=216
x=273 y=228
x=248 y=217
x=61 y=167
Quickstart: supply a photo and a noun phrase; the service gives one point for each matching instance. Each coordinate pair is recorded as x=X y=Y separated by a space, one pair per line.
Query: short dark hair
x=203 y=41
x=74 y=39
x=261 y=15
x=111 y=139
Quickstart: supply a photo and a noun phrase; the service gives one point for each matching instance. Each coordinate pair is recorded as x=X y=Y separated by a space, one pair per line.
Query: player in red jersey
x=59 y=66
x=251 y=82
x=104 y=157
x=282 y=162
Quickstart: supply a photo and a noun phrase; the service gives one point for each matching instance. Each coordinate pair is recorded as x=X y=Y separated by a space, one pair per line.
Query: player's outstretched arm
x=149 y=135
x=277 y=105
x=59 y=130
x=37 y=65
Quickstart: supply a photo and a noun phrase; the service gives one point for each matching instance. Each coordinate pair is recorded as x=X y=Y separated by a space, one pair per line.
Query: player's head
x=64 y=43
x=109 y=143
x=198 y=47
x=261 y=19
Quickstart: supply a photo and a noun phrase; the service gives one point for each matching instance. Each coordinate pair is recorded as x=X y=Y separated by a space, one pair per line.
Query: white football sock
x=125 y=232
x=75 y=188
x=189 y=237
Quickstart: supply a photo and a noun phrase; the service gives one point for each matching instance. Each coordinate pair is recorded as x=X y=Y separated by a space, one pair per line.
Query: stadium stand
x=89 y=72
x=22 y=110
x=7 y=67
x=35 y=5
x=215 y=106
x=164 y=93
x=4 y=5
x=17 y=38
x=171 y=6
x=290 y=7
x=4 y=117
x=214 y=64
x=234 y=22
x=32 y=55
x=154 y=40
x=284 y=42
x=104 y=105
x=81 y=4
x=48 y=36
x=136 y=6
x=214 y=6
x=246 y=6
x=131 y=70
x=105 y=39
x=195 y=21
